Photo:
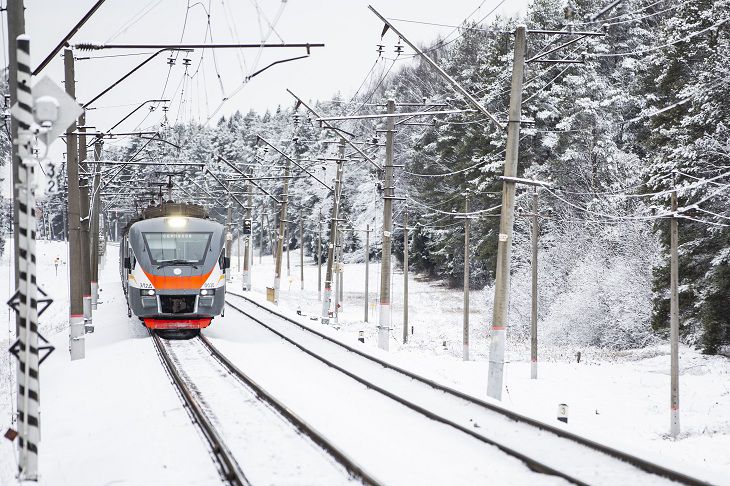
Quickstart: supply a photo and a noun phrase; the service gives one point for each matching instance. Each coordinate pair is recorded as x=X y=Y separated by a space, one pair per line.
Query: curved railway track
x=535 y=464
x=227 y=464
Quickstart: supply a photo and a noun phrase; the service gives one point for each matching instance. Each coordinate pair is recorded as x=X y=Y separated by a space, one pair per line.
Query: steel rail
x=229 y=468
x=352 y=467
x=637 y=462
x=533 y=464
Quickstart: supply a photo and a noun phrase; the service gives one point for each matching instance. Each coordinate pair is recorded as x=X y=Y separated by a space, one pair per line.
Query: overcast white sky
x=349 y=30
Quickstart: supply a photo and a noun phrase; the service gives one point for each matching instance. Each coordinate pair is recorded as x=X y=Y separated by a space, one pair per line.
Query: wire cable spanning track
x=534 y=464
x=229 y=468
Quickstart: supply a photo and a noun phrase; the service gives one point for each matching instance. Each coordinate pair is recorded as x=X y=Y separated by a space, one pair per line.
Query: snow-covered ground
x=112 y=418
x=616 y=397
x=115 y=418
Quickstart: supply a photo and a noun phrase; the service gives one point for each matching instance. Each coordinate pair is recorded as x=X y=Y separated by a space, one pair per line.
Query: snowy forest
x=646 y=110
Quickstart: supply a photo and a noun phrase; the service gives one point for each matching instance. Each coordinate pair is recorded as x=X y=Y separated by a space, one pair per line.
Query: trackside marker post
x=563 y=413
x=37 y=115
x=27 y=293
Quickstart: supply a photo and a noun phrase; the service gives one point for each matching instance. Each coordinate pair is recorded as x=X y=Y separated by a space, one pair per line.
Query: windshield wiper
x=166 y=263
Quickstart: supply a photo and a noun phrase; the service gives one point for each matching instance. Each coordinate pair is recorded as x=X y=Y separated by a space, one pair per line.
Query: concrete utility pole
x=86 y=259
x=238 y=249
x=465 y=332
x=301 y=250
x=405 y=276
x=261 y=235
x=96 y=209
x=340 y=265
x=75 y=260
x=674 y=319
x=504 y=248
x=327 y=299
x=248 y=244
x=229 y=236
x=388 y=195
x=338 y=274
x=16 y=26
x=533 y=314
x=367 y=269
x=282 y=227
x=319 y=257
x=288 y=247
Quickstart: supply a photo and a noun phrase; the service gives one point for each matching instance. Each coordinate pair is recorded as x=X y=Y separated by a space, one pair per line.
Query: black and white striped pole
x=41 y=113
x=27 y=292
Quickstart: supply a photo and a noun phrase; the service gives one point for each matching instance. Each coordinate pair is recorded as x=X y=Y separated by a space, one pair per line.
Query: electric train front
x=176 y=271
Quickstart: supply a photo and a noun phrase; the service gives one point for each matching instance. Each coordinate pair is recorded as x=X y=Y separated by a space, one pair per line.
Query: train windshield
x=177 y=248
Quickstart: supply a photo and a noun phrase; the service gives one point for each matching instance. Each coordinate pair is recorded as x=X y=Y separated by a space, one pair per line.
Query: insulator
x=171 y=61
x=186 y=61
x=399 y=47
x=381 y=49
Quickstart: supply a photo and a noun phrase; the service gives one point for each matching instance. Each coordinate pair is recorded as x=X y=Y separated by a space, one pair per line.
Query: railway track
x=246 y=405
x=562 y=453
x=227 y=464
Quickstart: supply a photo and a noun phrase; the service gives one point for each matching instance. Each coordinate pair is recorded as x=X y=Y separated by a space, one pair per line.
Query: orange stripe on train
x=162 y=282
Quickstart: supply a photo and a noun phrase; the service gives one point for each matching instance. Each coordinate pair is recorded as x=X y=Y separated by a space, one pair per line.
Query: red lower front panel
x=178 y=323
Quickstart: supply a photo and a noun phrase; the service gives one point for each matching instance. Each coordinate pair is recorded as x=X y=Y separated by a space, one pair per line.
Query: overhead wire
x=233 y=30
x=372 y=91
x=603 y=20
x=713 y=223
x=657 y=48
x=135 y=18
x=255 y=64
x=466 y=169
x=435 y=210
x=445 y=42
x=601 y=214
x=644 y=17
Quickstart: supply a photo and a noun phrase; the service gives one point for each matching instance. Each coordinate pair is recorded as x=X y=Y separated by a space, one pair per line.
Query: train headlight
x=207 y=291
x=147 y=292
x=177 y=222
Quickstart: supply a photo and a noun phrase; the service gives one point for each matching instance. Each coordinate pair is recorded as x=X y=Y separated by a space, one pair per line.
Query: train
x=173 y=267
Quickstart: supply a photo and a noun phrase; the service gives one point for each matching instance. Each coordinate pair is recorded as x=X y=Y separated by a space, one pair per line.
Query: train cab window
x=177 y=247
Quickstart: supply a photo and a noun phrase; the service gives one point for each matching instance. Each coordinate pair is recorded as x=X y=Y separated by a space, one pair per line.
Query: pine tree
x=691 y=138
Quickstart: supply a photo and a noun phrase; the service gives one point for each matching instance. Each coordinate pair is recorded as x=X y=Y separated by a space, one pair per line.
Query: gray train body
x=173 y=270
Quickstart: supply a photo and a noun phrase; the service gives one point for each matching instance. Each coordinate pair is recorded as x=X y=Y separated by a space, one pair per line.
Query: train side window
x=132 y=260
x=221 y=259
